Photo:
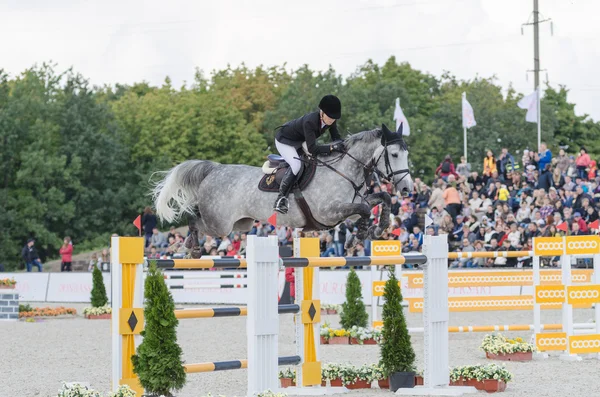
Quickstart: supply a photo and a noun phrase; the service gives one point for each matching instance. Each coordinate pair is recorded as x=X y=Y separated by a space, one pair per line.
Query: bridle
x=370 y=168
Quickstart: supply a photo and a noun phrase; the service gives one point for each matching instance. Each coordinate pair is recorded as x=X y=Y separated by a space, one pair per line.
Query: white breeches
x=290 y=154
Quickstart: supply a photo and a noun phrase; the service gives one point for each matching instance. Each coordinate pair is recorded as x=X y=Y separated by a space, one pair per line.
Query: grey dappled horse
x=222 y=198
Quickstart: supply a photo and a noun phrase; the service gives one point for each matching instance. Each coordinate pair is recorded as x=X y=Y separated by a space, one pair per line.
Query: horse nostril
x=404 y=192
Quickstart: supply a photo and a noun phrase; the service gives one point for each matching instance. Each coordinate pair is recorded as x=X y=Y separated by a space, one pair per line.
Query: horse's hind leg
x=192 y=242
x=385 y=199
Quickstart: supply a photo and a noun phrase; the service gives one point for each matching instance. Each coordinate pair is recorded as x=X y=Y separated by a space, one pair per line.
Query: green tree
x=99 y=297
x=353 y=310
x=158 y=359
x=397 y=354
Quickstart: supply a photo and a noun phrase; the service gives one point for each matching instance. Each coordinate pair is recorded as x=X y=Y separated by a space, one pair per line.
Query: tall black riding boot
x=281 y=204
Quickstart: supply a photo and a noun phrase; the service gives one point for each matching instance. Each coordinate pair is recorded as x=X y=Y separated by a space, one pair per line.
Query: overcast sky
x=126 y=41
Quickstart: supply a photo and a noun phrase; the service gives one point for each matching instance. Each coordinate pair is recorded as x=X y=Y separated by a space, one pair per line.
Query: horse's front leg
x=340 y=212
x=383 y=198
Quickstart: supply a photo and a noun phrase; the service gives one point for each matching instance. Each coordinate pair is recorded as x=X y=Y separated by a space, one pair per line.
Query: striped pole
x=234 y=364
x=203 y=276
x=227 y=311
x=207 y=286
x=582 y=327
x=489 y=254
x=199 y=263
x=353 y=261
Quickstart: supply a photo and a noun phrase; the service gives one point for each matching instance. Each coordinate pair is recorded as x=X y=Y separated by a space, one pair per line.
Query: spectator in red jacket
x=66 y=253
x=290 y=278
x=579 y=220
x=446 y=168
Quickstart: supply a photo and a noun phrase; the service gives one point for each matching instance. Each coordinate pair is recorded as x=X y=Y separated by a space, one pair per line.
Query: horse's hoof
x=375 y=232
x=351 y=242
x=196 y=253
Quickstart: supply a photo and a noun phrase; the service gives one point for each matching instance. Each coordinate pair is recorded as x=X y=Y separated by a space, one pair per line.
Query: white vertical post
x=435 y=311
x=435 y=323
x=465 y=144
x=374 y=316
x=116 y=304
x=263 y=319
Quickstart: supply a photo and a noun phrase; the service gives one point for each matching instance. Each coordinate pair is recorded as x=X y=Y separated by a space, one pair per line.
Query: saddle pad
x=270 y=182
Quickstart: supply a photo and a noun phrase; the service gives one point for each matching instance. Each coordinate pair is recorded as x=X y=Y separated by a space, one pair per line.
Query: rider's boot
x=281 y=204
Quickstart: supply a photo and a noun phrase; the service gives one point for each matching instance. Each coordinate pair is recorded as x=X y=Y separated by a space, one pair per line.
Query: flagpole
x=465 y=149
x=539 y=116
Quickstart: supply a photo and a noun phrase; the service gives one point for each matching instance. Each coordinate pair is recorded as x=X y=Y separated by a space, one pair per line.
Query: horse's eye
x=395 y=155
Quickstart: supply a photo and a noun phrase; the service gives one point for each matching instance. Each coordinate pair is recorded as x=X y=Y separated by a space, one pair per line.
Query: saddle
x=274 y=169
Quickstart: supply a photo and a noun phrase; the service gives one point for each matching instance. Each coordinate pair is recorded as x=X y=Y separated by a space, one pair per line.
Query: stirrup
x=281 y=205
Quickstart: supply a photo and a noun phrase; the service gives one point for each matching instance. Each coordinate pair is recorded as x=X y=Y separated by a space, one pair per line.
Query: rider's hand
x=338 y=147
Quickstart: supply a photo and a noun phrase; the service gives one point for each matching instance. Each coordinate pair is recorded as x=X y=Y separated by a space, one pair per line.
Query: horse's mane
x=368 y=137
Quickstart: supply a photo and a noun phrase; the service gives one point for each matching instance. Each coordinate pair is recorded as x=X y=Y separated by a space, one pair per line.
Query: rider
x=307 y=129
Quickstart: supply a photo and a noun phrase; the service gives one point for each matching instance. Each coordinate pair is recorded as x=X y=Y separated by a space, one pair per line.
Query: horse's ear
x=400 y=129
x=385 y=129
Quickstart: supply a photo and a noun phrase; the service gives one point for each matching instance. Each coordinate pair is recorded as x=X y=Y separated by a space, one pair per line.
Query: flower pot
x=370 y=341
x=419 y=381
x=323 y=383
x=473 y=382
x=520 y=356
x=339 y=340
x=7 y=286
x=331 y=311
x=459 y=382
x=402 y=380
x=359 y=384
x=105 y=316
x=493 y=385
x=336 y=382
x=354 y=341
x=384 y=383
x=324 y=341
x=323 y=311
x=287 y=382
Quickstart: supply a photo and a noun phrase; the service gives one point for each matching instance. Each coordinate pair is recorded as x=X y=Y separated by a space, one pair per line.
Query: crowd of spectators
x=514 y=198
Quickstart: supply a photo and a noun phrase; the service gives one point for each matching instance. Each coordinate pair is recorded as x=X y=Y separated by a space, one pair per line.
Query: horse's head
x=391 y=159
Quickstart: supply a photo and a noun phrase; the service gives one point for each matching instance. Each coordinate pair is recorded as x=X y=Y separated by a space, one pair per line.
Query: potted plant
x=98 y=313
x=419 y=380
x=357 y=377
x=287 y=377
x=7 y=283
x=354 y=312
x=331 y=372
x=330 y=336
x=498 y=347
x=491 y=377
x=380 y=376
x=397 y=354
x=157 y=361
x=363 y=336
x=99 y=298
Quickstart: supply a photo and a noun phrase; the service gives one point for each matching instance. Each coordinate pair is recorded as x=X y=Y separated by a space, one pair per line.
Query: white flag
x=530 y=103
x=467 y=113
x=400 y=118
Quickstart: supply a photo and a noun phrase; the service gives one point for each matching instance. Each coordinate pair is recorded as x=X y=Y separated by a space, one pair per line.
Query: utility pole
x=536 y=63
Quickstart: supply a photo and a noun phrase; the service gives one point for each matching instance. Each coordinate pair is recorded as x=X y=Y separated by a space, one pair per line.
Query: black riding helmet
x=331 y=106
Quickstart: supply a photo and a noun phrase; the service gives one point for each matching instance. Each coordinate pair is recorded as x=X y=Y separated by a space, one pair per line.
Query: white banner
x=30 y=286
x=73 y=287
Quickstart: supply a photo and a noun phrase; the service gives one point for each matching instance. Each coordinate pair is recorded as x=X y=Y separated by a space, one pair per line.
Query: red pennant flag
x=273 y=219
x=595 y=225
x=563 y=226
x=138 y=223
x=396 y=232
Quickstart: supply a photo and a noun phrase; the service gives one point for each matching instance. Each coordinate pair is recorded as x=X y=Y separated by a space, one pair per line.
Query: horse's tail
x=177 y=192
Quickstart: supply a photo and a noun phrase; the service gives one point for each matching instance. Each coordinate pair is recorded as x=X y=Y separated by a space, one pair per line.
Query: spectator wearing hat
x=582 y=162
x=582 y=226
x=30 y=256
